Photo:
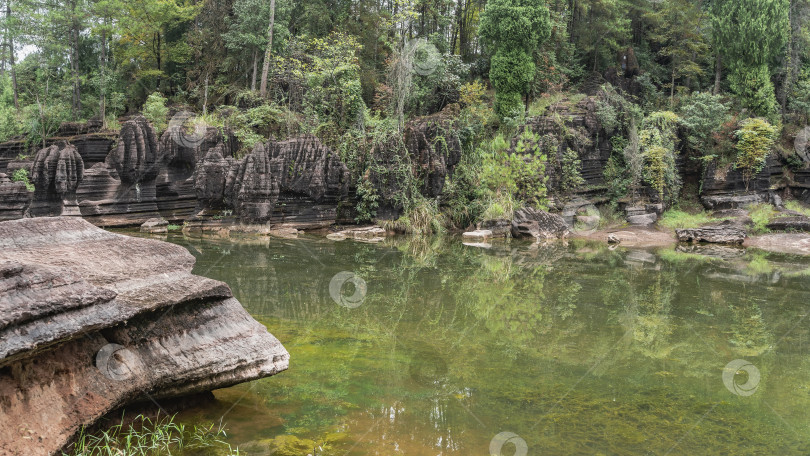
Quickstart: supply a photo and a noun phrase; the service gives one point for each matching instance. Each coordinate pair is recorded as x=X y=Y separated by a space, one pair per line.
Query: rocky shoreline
x=91 y=321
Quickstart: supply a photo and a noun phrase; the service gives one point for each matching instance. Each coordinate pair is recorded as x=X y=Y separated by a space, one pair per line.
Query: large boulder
x=531 y=222
x=91 y=321
x=724 y=233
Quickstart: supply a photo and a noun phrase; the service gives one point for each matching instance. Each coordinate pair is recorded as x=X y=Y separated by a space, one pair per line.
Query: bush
x=155 y=111
x=21 y=175
x=520 y=172
x=702 y=115
x=658 y=140
x=755 y=90
x=755 y=140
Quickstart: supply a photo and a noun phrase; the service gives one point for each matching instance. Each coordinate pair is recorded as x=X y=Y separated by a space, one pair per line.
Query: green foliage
x=21 y=175
x=761 y=214
x=148 y=437
x=156 y=112
x=570 y=171
x=796 y=206
x=703 y=114
x=421 y=217
x=512 y=30
x=755 y=140
x=677 y=219
x=520 y=172
x=658 y=139
x=367 y=201
x=755 y=91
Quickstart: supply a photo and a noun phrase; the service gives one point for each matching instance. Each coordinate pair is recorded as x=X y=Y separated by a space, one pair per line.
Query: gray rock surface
x=91 y=321
x=531 y=222
x=725 y=233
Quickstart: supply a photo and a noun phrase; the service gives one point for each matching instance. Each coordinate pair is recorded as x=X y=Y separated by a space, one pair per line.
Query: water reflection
x=575 y=348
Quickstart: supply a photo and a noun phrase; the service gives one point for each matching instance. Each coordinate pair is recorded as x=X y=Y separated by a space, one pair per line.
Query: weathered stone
x=432 y=148
x=732 y=201
x=499 y=227
x=647 y=219
x=725 y=233
x=155 y=225
x=477 y=236
x=531 y=222
x=363 y=233
x=56 y=173
x=91 y=321
x=14 y=199
x=796 y=223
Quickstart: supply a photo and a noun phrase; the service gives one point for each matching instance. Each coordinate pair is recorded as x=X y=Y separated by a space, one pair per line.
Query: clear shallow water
x=575 y=348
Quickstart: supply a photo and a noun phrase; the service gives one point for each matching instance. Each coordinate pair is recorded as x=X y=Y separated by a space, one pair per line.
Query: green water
x=576 y=349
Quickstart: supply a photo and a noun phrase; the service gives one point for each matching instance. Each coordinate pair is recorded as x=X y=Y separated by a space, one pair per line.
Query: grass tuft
x=678 y=219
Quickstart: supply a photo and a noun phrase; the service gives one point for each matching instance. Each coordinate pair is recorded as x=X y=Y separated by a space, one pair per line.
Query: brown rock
x=725 y=233
x=91 y=321
x=531 y=222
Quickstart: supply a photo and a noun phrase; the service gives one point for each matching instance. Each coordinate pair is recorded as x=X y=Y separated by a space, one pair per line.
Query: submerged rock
x=155 y=226
x=91 y=321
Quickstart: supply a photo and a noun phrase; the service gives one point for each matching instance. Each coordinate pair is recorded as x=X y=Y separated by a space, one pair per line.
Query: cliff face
x=91 y=321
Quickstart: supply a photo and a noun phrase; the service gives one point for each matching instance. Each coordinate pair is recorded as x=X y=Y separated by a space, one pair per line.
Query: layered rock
x=14 y=199
x=91 y=321
x=724 y=233
x=428 y=152
x=56 y=173
x=540 y=225
x=298 y=181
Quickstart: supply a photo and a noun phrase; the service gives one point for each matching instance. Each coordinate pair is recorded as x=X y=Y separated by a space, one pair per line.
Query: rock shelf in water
x=91 y=321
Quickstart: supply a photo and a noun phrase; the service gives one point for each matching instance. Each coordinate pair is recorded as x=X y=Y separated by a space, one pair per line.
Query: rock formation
x=14 y=199
x=531 y=222
x=428 y=152
x=724 y=233
x=56 y=173
x=91 y=321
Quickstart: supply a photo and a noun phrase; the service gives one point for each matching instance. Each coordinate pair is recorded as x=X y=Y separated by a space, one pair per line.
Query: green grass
x=796 y=206
x=542 y=103
x=148 y=437
x=677 y=219
x=174 y=227
x=761 y=214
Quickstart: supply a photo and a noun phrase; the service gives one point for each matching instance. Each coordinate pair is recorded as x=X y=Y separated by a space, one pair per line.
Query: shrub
x=155 y=111
x=21 y=175
x=658 y=140
x=755 y=140
x=702 y=115
x=368 y=201
x=520 y=172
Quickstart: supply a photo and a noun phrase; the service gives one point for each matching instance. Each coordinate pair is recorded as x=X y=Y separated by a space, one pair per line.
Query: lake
x=431 y=347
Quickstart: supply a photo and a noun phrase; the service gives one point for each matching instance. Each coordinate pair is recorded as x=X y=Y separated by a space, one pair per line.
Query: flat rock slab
x=718 y=234
x=793 y=243
x=91 y=321
x=155 y=226
x=795 y=223
x=366 y=233
x=477 y=236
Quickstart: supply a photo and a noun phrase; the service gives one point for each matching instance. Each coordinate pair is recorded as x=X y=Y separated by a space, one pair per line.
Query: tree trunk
x=11 y=59
x=74 y=62
x=672 y=87
x=102 y=102
x=255 y=70
x=266 y=66
x=718 y=74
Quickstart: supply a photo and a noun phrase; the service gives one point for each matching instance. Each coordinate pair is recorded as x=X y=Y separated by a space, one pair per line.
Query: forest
x=725 y=81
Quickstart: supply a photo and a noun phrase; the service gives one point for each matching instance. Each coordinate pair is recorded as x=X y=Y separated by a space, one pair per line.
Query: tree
x=678 y=29
x=511 y=30
x=749 y=34
x=755 y=139
x=266 y=68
